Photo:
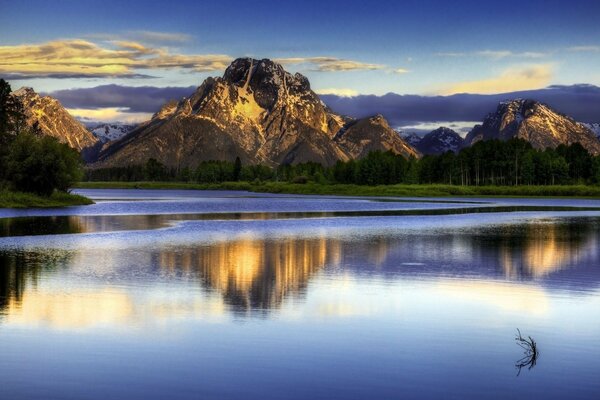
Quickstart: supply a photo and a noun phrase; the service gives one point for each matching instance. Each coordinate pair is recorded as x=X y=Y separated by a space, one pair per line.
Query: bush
x=41 y=164
x=300 y=179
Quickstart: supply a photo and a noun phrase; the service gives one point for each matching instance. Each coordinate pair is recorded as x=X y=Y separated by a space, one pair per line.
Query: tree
x=154 y=170
x=12 y=117
x=41 y=164
x=237 y=169
x=579 y=160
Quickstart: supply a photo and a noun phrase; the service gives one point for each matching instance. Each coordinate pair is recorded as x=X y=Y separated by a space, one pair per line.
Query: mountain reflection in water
x=254 y=276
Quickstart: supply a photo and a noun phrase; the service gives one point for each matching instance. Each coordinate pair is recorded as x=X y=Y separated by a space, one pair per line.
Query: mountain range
x=259 y=112
x=262 y=114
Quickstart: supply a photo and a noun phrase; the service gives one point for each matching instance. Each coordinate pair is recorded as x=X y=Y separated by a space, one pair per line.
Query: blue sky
x=344 y=47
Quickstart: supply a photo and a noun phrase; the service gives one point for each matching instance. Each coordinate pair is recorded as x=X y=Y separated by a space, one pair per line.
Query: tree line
x=493 y=162
x=30 y=161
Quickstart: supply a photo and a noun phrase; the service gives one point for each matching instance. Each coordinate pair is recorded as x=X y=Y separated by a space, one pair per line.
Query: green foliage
x=41 y=164
x=237 y=169
x=154 y=170
x=12 y=119
x=398 y=190
x=12 y=199
x=488 y=163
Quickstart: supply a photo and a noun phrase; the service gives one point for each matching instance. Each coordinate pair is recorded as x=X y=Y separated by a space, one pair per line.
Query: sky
x=346 y=48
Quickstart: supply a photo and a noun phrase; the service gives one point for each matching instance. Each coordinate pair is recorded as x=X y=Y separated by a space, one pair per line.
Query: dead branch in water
x=531 y=352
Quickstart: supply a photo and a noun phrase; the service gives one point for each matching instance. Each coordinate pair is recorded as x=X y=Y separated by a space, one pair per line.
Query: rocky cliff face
x=257 y=111
x=50 y=118
x=440 y=141
x=358 y=138
x=535 y=122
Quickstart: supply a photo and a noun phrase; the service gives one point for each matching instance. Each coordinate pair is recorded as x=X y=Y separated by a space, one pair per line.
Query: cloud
x=495 y=54
x=582 y=102
x=460 y=127
x=338 y=92
x=401 y=71
x=512 y=79
x=330 y=64
x=81 y=58
x=152 y=37
x=161 y=37
x=584 y=49
x=143 y=99
x=450 y=54
x=108 y=115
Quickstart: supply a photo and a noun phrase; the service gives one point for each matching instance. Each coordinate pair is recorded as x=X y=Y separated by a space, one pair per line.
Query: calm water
x=221 y=295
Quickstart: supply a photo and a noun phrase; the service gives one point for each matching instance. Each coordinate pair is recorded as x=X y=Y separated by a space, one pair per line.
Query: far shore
x=400 y=190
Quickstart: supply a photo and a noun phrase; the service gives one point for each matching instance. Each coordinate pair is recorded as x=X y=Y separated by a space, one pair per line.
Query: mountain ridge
x=535 y=122
x=256 y=111
x=47 y=115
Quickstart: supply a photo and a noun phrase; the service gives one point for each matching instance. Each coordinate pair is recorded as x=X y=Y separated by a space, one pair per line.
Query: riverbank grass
x=399 y=190
x=10 y=199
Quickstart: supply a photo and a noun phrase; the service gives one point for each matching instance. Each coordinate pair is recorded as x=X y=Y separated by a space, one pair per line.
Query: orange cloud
x=81 y=58
x=513 y=79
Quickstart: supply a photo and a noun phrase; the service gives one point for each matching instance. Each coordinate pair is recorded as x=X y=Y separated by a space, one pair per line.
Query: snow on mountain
x=594 y=127
x=107 y=132
x=440 y=141
x=411 y=138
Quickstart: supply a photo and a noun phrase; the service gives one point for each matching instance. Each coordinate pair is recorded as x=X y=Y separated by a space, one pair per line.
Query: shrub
x=41 y=164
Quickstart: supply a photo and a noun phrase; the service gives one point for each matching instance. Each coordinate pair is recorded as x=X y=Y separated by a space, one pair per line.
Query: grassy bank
x=10 y=199
x=358 y=190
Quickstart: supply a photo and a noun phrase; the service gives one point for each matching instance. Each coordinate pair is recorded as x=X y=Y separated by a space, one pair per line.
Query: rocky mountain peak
x=25 y=92
x=535 y=122
x=379 y=120
x=266 y=79
x=439 y=141
x=256 y=111
x=49 y=117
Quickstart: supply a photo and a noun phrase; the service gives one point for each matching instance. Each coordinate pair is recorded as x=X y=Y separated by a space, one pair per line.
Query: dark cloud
x=146 y=99
x=581 y=102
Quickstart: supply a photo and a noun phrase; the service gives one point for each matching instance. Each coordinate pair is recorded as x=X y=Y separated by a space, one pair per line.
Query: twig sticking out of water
x=531 y=352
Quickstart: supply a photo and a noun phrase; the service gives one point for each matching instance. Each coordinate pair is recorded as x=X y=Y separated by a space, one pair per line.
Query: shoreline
x=10 y=199
x=399 y=190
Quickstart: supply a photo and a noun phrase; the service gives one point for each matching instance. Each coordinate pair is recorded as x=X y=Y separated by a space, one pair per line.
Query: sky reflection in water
x=336 y=307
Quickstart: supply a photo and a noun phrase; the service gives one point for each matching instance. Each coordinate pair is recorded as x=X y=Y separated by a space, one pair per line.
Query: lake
x=233 y=295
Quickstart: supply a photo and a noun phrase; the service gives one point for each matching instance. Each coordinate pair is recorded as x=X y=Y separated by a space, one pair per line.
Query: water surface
x=170 y=294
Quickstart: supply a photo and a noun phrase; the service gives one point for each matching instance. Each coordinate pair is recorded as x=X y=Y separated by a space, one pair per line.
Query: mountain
x=358 y=138
x=51 y=118
x=535 y=122
x=106 y=132
x=412 y=138
x=594 y=127
x=259 y=112
x=440 y=141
